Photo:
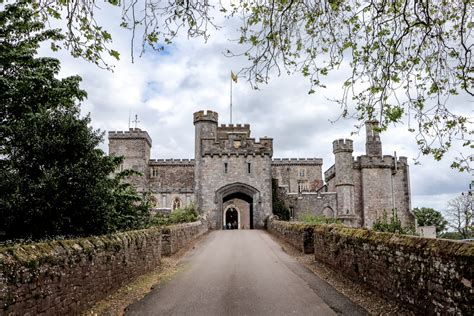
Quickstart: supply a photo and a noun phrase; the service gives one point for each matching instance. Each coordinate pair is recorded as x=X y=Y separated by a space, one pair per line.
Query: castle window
x=176 y=203
x=154 y=172
x=225 y=167
x=249 y=167
x=303 y=186
x=302 y=173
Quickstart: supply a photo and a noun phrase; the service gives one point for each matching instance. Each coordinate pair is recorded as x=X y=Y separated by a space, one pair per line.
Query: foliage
x=451 y=235
x=318 y=219
x=279 y=207
x=392 y=225
x=53 y=178
x=426 y=216
x=187 y=214
x=460 y=215
x=407 y=57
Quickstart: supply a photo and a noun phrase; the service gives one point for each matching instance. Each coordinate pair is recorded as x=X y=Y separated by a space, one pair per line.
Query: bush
x=318 y=219
x=187 y=214
x=392 y=225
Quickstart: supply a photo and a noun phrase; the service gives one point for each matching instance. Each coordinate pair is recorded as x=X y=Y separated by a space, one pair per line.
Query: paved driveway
x=243 y=272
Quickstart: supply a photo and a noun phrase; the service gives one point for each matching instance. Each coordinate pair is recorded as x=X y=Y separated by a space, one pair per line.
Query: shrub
x=187 y=214
x=392 y=225
x=318 y=219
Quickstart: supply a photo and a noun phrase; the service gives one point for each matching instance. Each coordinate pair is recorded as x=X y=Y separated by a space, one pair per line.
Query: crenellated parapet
x=330 y=173
x=208 y=115
x=342 y=145
x=387 y=161
x=238 y=146
x=132 y=133
x=225 y=130
x=297 y=161
x=172 y=162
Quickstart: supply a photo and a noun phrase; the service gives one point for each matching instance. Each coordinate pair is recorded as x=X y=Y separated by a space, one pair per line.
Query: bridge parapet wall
x=430 y=276
x=65 y=277
x=299 y=235
x=178 y=236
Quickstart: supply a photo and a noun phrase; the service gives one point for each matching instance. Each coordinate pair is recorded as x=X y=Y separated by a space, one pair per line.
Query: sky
x=165 y=89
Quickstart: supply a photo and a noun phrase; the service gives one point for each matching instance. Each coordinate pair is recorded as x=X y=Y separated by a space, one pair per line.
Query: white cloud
x=164 y=89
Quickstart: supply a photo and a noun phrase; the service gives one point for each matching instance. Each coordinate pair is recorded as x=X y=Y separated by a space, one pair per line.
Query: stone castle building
x=230 y=178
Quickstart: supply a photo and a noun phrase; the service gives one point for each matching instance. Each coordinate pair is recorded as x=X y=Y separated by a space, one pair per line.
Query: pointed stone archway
x=241 y=191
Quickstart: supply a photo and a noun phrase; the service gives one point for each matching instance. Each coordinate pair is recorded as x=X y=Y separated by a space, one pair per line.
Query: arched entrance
x=242 y=192
x=231 y=218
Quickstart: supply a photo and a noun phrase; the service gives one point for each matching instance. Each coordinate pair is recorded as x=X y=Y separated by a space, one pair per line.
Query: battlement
x=237 y=146
x=224 y=130
x=132 y=133
x=208 y=115
x=330 y=173
x=297 y=161
x=171 y=162
x=387 y=161
x=342 y=145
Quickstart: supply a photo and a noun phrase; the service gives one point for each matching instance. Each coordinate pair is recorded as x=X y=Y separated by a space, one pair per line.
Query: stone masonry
x=231 y=167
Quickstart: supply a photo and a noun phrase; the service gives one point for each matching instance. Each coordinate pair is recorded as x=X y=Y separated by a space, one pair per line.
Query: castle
x=230 y=179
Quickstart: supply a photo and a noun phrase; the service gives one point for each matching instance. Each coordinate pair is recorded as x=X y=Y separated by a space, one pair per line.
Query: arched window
x=176 y=203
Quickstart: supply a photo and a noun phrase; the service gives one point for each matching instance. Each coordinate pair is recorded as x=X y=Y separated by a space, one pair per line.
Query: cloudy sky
x=164 y=89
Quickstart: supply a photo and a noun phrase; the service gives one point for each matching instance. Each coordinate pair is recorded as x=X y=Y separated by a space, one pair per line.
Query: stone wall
x=68 y=276
x=297 y=234
x=176 y=237
x=431 y=276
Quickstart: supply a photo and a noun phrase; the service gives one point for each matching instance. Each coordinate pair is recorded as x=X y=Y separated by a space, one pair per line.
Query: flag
x=233 y=76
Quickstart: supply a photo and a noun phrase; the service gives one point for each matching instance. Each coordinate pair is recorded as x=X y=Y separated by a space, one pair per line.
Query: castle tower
x=205 y=127
x=344 y=179
x=373 y=145
x=134 y=145
x=205 y=124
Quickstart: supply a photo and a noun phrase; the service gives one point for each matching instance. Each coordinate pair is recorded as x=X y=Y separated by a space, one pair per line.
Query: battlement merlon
x=208 y=115
x=224 y=130
x=342 y=145
x=297 y=161
x=171 y=162
x=387 y=161
x=133 y=133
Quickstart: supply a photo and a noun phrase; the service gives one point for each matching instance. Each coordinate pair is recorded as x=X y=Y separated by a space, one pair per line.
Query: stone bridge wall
x=176 y=237
x=297 y=234
x=431 y=276
x=68 y=276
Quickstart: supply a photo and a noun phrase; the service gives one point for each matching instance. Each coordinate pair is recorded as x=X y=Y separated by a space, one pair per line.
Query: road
x=243 y=272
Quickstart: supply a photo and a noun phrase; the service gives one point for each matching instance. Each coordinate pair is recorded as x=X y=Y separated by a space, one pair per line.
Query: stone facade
x=230 y=165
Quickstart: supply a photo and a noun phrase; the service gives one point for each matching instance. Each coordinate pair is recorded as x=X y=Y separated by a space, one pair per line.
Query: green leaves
x=53 y=179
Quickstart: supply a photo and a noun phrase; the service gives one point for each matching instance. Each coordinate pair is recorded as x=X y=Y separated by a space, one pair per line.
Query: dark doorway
x=241 y=196
x=232 y=219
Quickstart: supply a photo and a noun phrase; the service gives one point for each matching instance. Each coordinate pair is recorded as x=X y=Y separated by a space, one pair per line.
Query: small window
x=225 y=167
x=154 y=172
x=249 y=170
x=302 y=173
x=176 y=203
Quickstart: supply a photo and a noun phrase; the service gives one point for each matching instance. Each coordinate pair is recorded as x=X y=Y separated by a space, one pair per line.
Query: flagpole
x=231 y=97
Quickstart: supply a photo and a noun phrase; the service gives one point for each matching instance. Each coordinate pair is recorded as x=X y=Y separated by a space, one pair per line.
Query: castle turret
x=373 y=145
x=205 y=127
x=134 y=145
x=344 y=179
x=205 y=124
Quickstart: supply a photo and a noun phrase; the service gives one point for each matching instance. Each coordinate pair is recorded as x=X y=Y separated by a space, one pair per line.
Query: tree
x=53 y=178
x=407 y=57
x=460 y=216
x=426 y=216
